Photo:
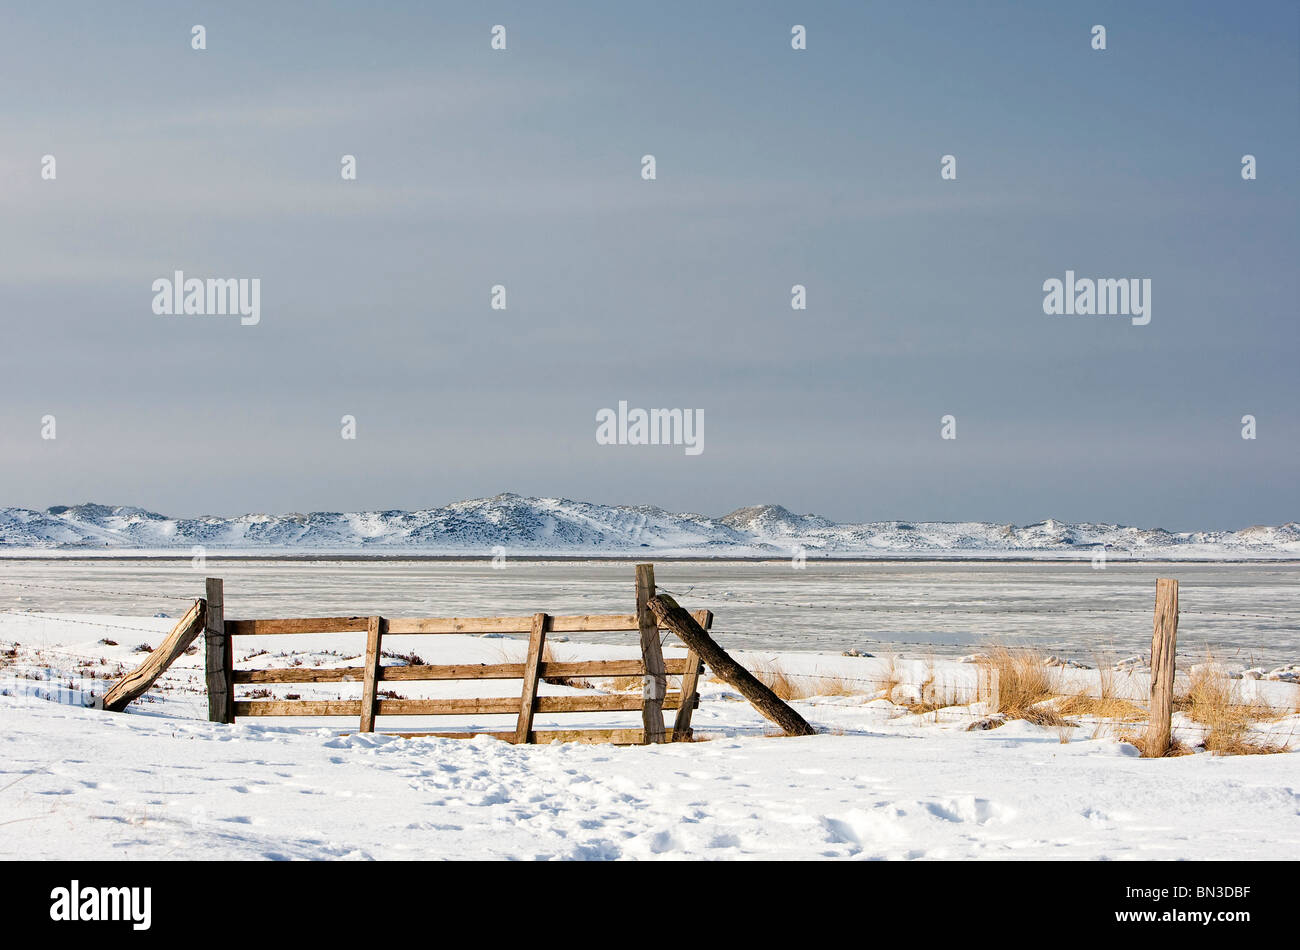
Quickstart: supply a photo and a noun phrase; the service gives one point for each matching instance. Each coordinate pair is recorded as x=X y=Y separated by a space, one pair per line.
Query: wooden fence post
x=370 y=685
x=652 y=654
x=1164 y=638
x=532 y=672
x=219 y=656
x=690 y=691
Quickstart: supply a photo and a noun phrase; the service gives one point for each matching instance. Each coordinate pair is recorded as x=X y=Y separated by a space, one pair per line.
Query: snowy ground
x=160 y=782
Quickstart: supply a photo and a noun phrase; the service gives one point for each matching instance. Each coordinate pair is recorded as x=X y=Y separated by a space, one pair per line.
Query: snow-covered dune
x=559 y=526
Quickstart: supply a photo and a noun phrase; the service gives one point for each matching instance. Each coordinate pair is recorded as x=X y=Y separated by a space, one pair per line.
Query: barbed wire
x=837 y=680
x=139 y=595
x=874 y=609
x=724 y=597
x=51 y=618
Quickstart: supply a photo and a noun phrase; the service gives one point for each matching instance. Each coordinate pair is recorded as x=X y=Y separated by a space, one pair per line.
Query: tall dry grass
x=774 y=677
x=1024 y=685
x=1105 y=705
x=1175 y=747
x=892 y=679
x=794 y=686
x=1214 y=700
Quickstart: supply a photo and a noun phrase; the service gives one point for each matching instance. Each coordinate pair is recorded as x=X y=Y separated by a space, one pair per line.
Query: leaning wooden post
x=375 y=629
x=138 y=681
x=1163 y=641
x=219 y=657
x=652 y=655
x=672 y=616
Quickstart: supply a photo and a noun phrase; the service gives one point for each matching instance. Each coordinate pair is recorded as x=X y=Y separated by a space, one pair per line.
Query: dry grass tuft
x=1105 y=706
x=410 y=659
x=1176 y=748
x=927 y=703
x=1225 y=742
x=1043 y=716
x=791 y=686
x=892 y=679
x=1024 y=682
x=771 y=675
x=835 y=685
x=1214 y=701
x=574 y=682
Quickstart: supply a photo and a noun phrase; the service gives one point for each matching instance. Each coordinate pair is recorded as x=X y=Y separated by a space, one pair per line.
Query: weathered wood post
x=376 y=627
x=532 y=673
x=652 y=655
x=135 y=683
x=676 y=619
x=1164 y=638
x=690 y=690
x=219 y=657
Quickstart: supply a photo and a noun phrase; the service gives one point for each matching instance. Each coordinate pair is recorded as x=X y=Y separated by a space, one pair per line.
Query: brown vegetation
x=1024 y=685
x=793 y=686
x=1106 y=705
x=1214 y=701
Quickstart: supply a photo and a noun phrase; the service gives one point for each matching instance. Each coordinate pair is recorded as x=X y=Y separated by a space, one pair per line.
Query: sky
x=774 y=167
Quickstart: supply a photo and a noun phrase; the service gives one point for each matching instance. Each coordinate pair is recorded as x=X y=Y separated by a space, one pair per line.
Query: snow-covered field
x=161 y=782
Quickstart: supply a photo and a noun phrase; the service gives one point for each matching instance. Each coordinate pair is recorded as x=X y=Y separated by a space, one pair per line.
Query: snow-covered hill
x=558 y=526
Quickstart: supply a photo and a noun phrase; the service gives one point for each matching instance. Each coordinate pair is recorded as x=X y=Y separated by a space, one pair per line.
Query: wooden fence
x=654 y=613
x=223 y=677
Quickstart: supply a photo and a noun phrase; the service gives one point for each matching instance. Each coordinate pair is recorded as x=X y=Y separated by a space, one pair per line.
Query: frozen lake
x=1244 y=612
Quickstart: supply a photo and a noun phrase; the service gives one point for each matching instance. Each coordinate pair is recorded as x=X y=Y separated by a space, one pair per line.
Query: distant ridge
x=558 y=526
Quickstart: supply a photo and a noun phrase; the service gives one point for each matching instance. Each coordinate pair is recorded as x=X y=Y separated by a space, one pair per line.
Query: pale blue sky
x=775 y=167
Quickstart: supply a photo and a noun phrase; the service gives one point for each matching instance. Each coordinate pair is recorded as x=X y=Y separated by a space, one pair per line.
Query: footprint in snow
x=860 y=829
x=662 y=842
x=980 y=811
